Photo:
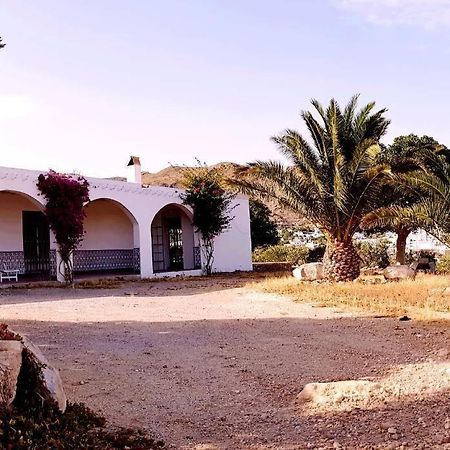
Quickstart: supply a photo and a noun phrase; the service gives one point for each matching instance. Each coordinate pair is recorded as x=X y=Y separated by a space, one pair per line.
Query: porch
x=111 y=245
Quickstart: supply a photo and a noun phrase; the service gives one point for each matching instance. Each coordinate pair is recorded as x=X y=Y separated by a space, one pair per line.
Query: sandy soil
x=214 y=365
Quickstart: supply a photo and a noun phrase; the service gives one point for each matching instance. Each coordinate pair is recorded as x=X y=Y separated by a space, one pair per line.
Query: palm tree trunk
x=341 y=261
x=402 y=235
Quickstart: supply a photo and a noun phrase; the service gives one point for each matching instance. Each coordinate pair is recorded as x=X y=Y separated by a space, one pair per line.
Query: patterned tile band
x=53 y=267
x=12 y=260
x=136 y=259
x=197 y=258
x=91 y=260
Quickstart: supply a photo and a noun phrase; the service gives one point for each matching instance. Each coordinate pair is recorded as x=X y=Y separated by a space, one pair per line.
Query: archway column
x=145 y=250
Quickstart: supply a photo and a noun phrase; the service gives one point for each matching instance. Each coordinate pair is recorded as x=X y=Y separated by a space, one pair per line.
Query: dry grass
x=424 y=298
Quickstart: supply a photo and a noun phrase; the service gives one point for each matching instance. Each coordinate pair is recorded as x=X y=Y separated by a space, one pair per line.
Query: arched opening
x=173 y=240
x=25 y=244
x=110 y=243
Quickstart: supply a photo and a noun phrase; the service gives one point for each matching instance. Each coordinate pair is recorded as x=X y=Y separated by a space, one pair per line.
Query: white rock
x=400 y=272
x=309 y=272
x=337 y=391
x=10 y=363
x=51 y=378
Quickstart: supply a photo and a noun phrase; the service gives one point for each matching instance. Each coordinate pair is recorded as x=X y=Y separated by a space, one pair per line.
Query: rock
x=51 y=378
x=309 y=272
x=10 y=363
x=337 y=391
x=400 y=272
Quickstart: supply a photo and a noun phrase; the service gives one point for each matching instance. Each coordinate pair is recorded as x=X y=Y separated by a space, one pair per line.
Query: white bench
x=9 y=274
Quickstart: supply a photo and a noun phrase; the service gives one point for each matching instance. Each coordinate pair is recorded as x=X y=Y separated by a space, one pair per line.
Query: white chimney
x=134 y=174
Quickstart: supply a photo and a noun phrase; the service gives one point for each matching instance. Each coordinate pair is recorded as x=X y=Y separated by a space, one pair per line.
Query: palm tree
x=408 y=155
x=332 y=182
x=431 y=210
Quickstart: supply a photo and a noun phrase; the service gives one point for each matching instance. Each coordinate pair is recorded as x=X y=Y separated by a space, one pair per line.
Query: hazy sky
x=86 y=83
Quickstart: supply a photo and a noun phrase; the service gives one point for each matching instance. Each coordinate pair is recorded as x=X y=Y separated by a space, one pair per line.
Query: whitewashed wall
x=233 y=248
x=107 y=227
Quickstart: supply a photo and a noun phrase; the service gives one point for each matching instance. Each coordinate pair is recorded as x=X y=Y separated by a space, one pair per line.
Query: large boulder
x=10 y=363
x=309 y=272
x=51 y=379
x=399 y=272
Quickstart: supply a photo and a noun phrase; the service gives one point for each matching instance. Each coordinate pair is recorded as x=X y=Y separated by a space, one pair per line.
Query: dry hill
x=171 y=177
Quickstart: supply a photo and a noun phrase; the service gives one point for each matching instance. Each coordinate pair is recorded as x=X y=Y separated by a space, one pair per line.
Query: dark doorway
x=175 y=243
x=36 y=243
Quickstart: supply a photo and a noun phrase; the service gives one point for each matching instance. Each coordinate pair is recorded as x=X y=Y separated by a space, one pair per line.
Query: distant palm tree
x=410 y=155
x=333 y=183
x=431 y=211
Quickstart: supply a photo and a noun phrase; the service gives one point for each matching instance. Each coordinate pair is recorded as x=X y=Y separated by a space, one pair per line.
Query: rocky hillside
x=171 y=177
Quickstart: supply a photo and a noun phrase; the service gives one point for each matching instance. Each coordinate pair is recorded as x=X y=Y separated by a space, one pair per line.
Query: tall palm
x=333 y=182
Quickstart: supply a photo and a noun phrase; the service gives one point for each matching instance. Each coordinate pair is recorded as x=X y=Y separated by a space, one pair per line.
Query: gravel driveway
x=214 y=365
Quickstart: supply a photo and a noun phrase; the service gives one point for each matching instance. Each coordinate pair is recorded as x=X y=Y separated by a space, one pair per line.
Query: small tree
x=263 y=228
x=65 y=196
x=211 y=206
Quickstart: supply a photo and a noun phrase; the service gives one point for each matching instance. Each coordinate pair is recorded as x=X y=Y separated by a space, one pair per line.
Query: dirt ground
x=214 y=365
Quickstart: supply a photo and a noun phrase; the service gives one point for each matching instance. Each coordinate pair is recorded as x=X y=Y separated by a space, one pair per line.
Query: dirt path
x=213 y=365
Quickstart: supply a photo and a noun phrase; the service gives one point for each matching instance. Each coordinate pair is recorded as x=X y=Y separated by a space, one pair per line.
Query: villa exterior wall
x=123 y=223
x=233 y=248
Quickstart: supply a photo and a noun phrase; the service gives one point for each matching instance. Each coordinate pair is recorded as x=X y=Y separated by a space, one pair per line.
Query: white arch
x=179 y=206
x=35 y=201
x=173 y=245
x=117 y=203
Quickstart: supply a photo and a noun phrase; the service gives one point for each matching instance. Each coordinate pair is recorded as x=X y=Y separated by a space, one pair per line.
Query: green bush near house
x=281 y=253
x=316 y=254
x=373 y=254
x=443 y=265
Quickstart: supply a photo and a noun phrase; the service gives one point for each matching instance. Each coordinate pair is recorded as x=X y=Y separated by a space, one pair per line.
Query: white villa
x=130 y=228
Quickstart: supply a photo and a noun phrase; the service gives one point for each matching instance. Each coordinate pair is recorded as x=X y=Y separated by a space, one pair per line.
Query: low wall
x=272 y=267
x=98 y=260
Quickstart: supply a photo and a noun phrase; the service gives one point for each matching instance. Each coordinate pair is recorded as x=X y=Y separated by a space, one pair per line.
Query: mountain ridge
x=171 y=177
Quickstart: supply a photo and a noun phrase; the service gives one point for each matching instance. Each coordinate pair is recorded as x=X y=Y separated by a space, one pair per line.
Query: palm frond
x=335 y=179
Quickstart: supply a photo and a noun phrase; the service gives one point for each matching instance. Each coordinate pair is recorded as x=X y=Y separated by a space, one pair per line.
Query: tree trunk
x=341 y=261
x=402 y=235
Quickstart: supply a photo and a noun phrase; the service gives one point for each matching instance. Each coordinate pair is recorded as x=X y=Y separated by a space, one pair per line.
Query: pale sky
x=86 y=83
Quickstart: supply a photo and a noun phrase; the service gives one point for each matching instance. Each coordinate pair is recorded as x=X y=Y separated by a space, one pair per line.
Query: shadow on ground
x=232 y=384
x=119 y=287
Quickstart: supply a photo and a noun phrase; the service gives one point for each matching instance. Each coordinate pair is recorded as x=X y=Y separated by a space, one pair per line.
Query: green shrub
x=443 y=265
x=281 y=253
x=316 y=254
x=414 y=255
x=373 y=254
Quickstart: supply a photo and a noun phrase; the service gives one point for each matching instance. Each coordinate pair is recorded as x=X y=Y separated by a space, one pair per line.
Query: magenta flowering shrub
x=65 y=197
x=211 y=205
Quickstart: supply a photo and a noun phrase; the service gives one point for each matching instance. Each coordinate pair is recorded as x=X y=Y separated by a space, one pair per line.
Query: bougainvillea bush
x=211 y=205
x=65 y=197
